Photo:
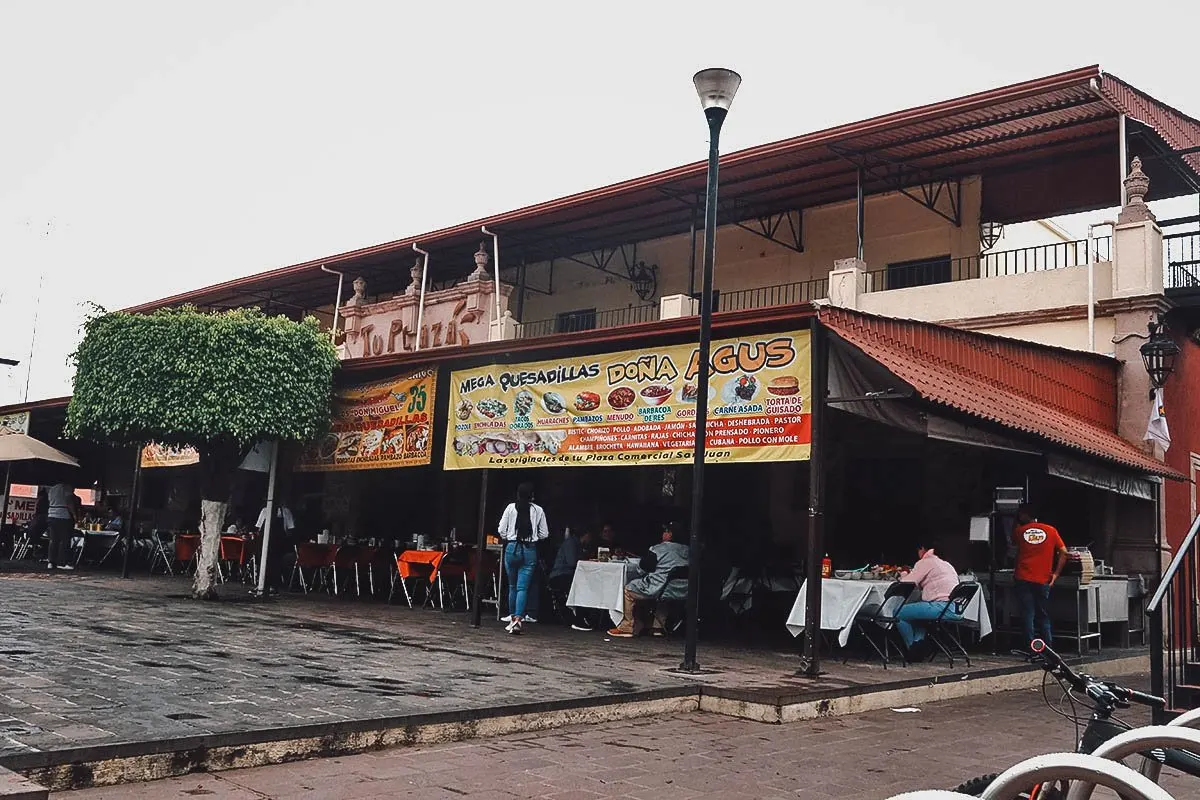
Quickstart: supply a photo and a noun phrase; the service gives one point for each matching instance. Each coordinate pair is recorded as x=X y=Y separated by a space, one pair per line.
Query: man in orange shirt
x=1041 y=556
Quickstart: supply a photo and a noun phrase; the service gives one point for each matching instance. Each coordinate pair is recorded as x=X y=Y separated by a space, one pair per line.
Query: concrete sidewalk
x=91 y=666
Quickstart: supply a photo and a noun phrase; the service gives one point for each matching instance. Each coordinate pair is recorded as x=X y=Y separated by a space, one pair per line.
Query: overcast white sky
x=152 y=147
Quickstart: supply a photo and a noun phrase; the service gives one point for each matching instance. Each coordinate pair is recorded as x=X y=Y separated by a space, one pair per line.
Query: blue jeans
x=520 y=559
x=911 y=614
x=1034 y=600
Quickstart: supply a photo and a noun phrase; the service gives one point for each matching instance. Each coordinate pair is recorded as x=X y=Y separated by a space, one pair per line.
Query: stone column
x=847 y=280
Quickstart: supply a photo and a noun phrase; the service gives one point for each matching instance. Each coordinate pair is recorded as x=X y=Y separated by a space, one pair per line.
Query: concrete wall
x=1071 y=334
x=989 y=297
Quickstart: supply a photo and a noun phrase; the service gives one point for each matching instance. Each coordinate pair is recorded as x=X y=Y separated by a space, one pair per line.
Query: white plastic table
x=842 y=600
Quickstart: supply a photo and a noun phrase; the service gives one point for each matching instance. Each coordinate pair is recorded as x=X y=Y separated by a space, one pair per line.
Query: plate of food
x=741 y=389
x=621 y=398
x=655 y=394
x=523 y=403
x=463 y=409
x=587 y=401
x=784 y=386
x=328 y=446
x=371 y=442
x=416 y=439
x=348 y=445
x=554 y=403
x=492 y=407
x=691 y=391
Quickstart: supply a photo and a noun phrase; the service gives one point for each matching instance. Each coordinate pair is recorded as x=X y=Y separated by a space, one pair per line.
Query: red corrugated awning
x=1063 y=397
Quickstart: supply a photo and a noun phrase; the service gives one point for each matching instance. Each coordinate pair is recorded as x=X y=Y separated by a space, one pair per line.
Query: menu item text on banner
x=635 y=407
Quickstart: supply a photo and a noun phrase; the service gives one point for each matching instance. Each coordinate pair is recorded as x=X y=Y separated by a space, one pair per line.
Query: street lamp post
x=716 y=88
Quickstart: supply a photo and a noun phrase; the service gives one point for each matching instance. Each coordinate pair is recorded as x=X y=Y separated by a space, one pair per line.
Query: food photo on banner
x=635 y=407
x=377 y=425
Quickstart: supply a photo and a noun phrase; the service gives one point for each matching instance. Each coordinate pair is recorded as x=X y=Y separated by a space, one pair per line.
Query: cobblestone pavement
x=684 y=757
x=87 y=660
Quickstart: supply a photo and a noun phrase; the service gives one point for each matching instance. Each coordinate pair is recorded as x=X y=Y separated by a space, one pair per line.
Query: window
x=573 y=321
x=922 y=272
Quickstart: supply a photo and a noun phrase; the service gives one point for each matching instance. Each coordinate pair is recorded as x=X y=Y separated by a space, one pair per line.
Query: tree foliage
x=183 y=377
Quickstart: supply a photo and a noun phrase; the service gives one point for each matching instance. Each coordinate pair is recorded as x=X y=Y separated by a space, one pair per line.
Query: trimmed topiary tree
x=216 y=382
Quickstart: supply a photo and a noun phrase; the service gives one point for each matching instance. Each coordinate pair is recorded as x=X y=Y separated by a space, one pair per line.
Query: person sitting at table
x=935 y=579
x=563 y=572
x=656 y=564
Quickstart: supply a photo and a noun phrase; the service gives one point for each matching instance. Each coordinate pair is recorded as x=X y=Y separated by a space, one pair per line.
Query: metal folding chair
x=423 y=573
x=319 y=558
x=942 y=630
x=22 y=545
x=883 y=619
x=158 y=551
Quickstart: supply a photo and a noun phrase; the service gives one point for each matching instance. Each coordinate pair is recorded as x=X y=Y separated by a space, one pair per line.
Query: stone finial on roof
x=481 y=262
x=1137 y=184
x=360 y=293
x=415 y=274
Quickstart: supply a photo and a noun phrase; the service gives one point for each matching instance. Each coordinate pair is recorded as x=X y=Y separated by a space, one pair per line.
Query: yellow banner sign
x=635 y=407
x=156 y=455
x=377 y=426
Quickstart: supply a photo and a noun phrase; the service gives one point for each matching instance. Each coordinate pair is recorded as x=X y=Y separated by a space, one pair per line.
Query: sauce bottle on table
x=826 y=566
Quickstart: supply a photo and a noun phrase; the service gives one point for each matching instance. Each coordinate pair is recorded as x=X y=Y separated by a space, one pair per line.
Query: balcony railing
x=1181 y=256
x=783 y=294
x=575 y=321
x=1022 y=261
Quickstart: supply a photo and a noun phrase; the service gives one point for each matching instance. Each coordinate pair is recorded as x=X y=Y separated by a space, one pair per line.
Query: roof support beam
x=903 y=178
x=768 y=226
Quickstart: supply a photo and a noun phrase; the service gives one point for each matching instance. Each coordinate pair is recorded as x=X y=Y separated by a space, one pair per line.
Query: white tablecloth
x=601 y=584
x=841 y=602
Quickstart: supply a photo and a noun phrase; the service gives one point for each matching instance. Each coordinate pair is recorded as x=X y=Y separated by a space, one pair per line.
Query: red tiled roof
x=1061 y=396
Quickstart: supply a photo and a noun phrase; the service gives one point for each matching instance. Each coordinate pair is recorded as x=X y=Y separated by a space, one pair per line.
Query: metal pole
x=860 y=214
x=481 y=551
x=715 y=116
x=133 y=504
x=421 y=301
x=264 y=554
x=337 y=303
x=496 y=265
x=692 y=259
x=521 y=290
x=7 y=499
x=819 y=348
x=1124 y=156
x=1155 y=621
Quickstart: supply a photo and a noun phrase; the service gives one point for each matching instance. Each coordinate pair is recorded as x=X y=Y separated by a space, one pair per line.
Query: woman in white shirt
x=522 y=526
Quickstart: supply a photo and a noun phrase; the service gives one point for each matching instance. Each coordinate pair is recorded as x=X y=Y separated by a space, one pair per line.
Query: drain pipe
x=337 y=303
x=421 y=301
x=1092 y=258
x=495 y=265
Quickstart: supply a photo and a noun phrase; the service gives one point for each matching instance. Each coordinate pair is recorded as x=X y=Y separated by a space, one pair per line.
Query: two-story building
x=542 y=334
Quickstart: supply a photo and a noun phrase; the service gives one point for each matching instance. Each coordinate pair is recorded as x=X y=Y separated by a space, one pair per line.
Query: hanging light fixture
x=644 y=279
x=989 y=234
x=1159 y=354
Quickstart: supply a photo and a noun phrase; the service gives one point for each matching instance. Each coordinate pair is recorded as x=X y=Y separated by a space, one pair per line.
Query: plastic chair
x=319 y=558
x=452 y=577
x=187 y=545
x=883 y=619
x=235 y=554
x=657 y=602
x=491 y=572
x=941 y=630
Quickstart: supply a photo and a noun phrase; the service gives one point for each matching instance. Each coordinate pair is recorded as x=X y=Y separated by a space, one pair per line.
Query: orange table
x=406 y=560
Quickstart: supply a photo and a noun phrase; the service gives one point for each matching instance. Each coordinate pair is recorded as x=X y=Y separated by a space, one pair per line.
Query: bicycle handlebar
x=1100 y=691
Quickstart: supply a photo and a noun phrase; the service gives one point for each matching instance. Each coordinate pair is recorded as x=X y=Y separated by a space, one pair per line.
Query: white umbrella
x=19 y=447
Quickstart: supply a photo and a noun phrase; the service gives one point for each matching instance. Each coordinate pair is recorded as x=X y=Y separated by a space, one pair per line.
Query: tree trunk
x=212 y=518
x=218 y=460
